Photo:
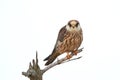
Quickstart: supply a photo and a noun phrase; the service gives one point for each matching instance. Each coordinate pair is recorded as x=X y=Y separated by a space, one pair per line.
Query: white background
x=30 y=25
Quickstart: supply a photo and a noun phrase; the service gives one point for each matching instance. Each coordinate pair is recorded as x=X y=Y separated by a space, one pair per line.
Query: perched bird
x=69 y=40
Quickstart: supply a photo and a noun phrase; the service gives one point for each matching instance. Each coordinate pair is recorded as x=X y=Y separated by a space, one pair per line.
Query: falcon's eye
x=77 y=24
x=69 y=24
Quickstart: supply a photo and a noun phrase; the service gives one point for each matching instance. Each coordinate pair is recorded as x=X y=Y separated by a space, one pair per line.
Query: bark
x=35 y=73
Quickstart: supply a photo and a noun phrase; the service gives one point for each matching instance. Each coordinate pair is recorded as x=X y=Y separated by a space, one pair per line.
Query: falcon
x=69 y=40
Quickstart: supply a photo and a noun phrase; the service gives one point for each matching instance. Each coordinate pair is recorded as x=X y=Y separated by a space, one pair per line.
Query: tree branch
x=63 y=60
x=35 y=73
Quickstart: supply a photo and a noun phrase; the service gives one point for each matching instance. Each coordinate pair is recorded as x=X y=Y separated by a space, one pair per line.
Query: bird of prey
x=69 y=40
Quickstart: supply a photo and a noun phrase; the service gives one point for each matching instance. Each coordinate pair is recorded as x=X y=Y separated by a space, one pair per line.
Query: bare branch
x=63 y=60
x=34 y=72
x=72 y=59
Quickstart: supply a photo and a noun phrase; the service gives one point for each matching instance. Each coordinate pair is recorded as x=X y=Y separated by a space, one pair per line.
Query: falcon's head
x=73 y=25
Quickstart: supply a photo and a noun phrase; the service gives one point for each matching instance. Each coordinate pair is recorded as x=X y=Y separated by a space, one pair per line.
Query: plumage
x=69 y=39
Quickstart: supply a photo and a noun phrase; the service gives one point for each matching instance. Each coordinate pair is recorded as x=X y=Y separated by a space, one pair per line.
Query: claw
x=68 y=55
x=75 y=52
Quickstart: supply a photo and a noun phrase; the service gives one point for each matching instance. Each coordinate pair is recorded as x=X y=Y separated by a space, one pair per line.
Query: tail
x=51 y=57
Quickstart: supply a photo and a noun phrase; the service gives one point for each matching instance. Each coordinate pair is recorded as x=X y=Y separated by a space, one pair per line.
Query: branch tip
x=30 y=65
x=36 y=57
x=36 y=54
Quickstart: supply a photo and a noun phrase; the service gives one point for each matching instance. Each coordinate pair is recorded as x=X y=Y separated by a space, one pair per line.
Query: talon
x=68 y=55
x=75 y=52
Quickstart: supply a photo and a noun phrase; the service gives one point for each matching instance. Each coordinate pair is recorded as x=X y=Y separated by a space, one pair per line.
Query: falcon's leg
x=75 y=52
x=68 y=55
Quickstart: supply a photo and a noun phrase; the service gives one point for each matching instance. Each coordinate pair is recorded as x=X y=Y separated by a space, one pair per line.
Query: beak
x=73 y=26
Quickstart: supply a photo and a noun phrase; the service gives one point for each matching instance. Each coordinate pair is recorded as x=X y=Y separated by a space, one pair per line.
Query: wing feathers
x=54 y=54
x=61 y=34
x=52 y=57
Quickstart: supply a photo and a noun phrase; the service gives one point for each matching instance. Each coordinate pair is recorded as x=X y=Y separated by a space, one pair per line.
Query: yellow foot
x=75 y=52
x=68 y=55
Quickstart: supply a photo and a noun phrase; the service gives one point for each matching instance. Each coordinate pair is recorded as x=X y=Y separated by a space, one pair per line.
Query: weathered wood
x=35 y=73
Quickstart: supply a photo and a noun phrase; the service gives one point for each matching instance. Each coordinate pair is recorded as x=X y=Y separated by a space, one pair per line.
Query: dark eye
x=69 y=24
x=77 y=24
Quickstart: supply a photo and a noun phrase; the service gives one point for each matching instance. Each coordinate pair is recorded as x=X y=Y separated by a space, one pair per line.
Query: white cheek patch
x=78 y=27
x=67 y=27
